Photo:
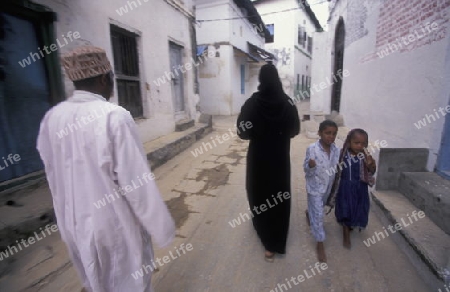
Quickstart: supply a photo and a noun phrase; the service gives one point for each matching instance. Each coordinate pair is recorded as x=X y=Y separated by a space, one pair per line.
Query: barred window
x=126 y=69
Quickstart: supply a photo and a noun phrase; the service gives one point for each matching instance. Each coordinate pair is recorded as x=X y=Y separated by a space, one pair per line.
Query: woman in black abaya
x=274 y=121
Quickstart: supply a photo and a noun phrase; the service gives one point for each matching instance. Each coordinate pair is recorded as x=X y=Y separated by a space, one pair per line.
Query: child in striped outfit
x=320 y=161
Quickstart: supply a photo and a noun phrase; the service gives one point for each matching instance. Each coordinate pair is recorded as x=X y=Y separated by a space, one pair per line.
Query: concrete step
x=429 y=242
x=429 y=192
x=160 y=150
x=183 y=125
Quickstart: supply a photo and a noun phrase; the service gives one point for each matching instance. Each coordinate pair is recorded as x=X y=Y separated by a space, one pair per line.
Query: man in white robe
x=106 y=202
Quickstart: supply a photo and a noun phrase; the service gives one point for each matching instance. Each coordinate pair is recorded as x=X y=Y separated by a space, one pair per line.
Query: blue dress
x=352 y=199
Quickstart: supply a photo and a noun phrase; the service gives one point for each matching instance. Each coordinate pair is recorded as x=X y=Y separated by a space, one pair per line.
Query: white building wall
x=238 y=98
x=156 y=23
x=320 y=69
x=220 y=76
x=285 y=33
x=210 y=32
x=291 y=62
x=303 y=58
x=215 y=80
x=386 y=96
x=242 y=31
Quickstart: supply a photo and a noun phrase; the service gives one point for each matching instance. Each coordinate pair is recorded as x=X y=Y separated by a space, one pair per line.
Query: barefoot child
x=321 y=158
x=355 y=174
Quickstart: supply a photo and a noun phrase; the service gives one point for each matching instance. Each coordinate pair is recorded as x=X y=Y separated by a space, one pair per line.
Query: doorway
x=443 y=163
x=25 y=93
x=339 y=42
x=176 y=58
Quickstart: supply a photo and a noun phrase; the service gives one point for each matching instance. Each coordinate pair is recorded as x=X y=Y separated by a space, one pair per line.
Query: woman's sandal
x=269 y=256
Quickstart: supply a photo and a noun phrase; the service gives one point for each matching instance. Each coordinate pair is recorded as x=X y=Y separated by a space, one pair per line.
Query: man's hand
x=312 y=163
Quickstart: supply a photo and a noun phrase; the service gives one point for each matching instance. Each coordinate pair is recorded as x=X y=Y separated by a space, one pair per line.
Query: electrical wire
x=264 y=14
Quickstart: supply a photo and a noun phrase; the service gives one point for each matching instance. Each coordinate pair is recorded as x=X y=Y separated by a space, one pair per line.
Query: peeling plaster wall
x=156 y=23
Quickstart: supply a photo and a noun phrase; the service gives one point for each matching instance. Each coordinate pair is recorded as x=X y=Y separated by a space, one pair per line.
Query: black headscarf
x=270 y=83
x=272 y=101
x=270 y=110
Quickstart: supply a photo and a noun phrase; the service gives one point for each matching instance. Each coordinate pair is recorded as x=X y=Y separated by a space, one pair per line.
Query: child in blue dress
x=320 y=161
x=350 y=191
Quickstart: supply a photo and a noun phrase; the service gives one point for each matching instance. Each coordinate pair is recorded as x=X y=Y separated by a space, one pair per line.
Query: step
x=160 y=150
x=428 y=241
x=183 y=125
x=430 y=192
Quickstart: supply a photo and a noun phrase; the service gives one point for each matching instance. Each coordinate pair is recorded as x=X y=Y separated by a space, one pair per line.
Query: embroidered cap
x=85 y=62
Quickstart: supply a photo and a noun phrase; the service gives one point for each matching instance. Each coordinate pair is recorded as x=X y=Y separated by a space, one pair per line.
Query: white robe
x=99 y=153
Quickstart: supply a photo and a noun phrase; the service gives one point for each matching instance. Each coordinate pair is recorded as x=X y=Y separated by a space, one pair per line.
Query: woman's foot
x=322 y=257
x=269 y=256
x=346 y=233
x=307 y=218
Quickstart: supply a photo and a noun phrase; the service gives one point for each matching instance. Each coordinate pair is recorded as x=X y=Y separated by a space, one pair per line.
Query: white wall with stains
x=387 y=94
x=286 y=15
x=227 y=38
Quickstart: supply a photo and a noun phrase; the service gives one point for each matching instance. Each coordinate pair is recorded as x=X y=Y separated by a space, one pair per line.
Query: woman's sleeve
x=295 y=121
x=243 y=121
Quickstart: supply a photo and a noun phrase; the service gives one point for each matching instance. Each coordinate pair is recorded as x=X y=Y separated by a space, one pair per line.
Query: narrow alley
x=125 y=164
x=205 y=193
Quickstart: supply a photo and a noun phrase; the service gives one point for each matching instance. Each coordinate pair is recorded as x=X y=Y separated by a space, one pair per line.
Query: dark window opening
x=126 y=69
x=310 y=44
x=301 y=36
x=271 y=29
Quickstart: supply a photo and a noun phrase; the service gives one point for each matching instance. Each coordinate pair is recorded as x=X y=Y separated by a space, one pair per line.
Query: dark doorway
x=443 y=163
x=30 y=83
x=176 y=60
x=339 y=42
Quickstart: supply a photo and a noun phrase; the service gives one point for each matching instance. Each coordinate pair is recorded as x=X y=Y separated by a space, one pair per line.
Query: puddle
x=179 y=209
x=235 y=155
x=214 y=177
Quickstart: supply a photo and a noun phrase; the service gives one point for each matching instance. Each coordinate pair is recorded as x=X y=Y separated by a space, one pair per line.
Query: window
x=242 y=79
x=271 y=29
x=303 y=82
x=304 y=39
x=298 y=81
x=310 y=44
x=126 y=67
x=301 y=36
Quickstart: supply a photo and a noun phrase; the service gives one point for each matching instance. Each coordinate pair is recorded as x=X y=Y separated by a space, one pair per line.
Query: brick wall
x=356 y=24
x=402 y=25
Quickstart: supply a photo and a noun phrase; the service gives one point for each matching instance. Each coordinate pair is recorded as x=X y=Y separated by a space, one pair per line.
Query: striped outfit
x=319 y=181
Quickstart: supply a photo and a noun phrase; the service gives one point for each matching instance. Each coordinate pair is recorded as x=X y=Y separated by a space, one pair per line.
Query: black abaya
x=274 y=122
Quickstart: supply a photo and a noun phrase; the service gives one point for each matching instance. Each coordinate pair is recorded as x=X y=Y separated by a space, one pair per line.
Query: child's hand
x=370 y=162
x=312 y=163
